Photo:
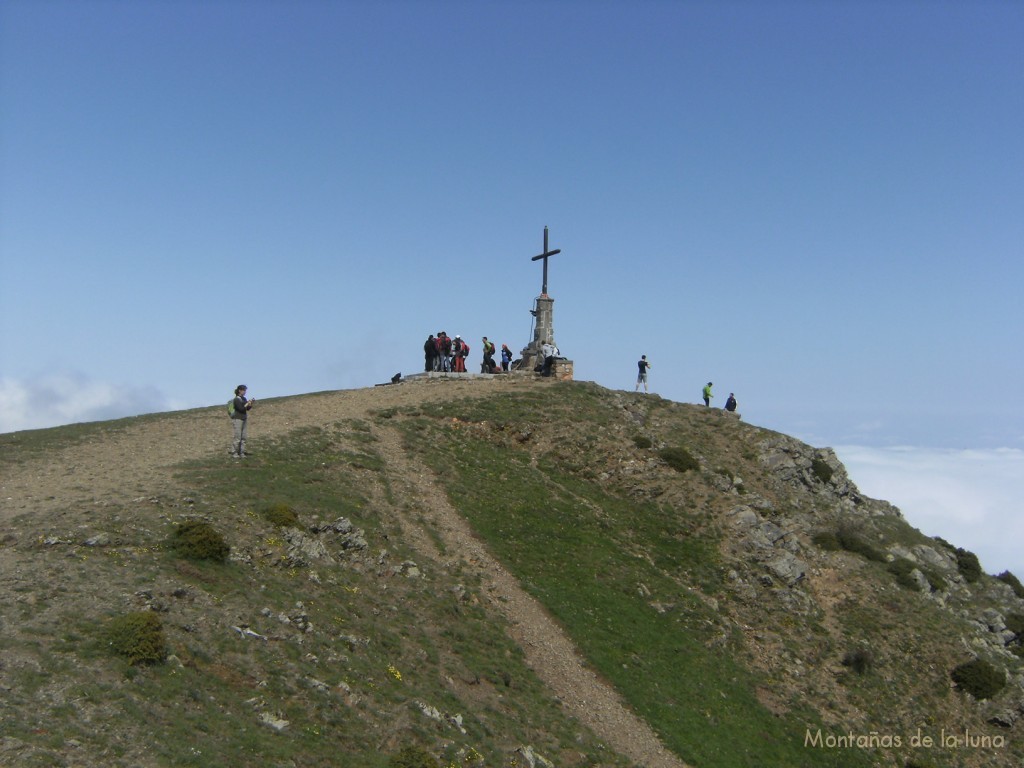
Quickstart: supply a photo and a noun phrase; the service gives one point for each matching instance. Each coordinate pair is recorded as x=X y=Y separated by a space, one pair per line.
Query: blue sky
x=817 y=205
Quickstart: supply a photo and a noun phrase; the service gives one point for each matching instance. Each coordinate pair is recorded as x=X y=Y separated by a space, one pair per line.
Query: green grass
x=325 y=473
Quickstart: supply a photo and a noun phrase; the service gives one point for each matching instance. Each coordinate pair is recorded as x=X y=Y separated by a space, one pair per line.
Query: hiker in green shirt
x=707 y=394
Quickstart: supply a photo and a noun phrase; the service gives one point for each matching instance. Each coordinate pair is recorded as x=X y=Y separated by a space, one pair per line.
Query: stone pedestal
x=544 y=331
x=562 y=369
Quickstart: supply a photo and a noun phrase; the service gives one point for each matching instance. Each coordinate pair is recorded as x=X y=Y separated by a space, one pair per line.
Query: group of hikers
x=643 y=364
x=730 y=404
x=445 y=354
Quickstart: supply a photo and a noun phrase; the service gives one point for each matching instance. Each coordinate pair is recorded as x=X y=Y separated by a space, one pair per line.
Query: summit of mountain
x=504 y=572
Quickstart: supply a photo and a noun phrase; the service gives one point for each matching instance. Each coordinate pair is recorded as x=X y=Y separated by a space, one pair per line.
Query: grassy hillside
x=728 y=582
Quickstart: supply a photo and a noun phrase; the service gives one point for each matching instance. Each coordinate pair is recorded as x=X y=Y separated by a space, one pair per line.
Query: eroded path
x=549 y=651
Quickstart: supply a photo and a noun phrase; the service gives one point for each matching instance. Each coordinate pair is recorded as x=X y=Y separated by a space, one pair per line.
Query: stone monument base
x=561 y=368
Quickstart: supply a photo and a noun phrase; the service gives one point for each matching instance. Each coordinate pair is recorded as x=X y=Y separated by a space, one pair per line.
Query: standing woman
x=240 y=408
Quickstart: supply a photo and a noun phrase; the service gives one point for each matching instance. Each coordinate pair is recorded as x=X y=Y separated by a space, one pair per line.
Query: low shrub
x=1015 y=623
x=198 y=540
x=853 y=540
x=827 y=540
x=138 y=636
x=968 y=565
x=642 y=442
x=413 y=757
x=680 y=459
x=935 y=579
x=860 y=660
x=821 y=470
x=903 y=569
x=281 y=515
x=979 y=678
x=1008 y=578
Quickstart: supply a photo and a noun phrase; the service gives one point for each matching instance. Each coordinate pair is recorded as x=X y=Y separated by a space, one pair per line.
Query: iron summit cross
x=545 y=255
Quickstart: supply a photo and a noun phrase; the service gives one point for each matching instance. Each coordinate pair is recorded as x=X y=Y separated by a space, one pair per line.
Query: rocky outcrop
x=799 y=467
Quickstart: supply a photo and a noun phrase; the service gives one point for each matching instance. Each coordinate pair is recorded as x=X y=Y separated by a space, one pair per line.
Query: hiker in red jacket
x=461 y=349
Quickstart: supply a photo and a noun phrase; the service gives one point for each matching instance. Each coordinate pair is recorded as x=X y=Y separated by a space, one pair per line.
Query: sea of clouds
x=971 y=498
x=70 y=398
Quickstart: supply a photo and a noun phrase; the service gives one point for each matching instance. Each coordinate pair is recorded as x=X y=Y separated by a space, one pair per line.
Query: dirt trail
x=139 y=461
x=122 y=464
x=549 y=651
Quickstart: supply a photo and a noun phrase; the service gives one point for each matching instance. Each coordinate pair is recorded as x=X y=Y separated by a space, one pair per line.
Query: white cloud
x=971 y=498
x=68 y=398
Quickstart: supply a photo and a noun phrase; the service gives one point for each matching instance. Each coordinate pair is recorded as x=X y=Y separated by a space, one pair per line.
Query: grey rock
x=787 y=568
x=932 y=557
x=994 y=620
x=743 y=517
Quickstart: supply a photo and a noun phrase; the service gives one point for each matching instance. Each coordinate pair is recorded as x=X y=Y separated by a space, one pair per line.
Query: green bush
x=138 y=636
x=413 y=757
x=821 y=470
x=979 y=678
x=852 y=540
x=1008 y=578
x=1015 y=623
x=642 y=442
x=680 y=459
x=860 y=661
x=968 y=565
x=198 y=540
x=935 y=579
x=827 y=540
x=903 y=570
x=281 y=515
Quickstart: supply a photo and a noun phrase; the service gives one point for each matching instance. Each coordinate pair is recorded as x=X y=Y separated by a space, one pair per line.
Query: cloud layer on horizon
x=71 y=398
x=971 y=498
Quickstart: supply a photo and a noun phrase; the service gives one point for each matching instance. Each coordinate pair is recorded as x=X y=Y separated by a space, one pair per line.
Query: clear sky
x=818 y=206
